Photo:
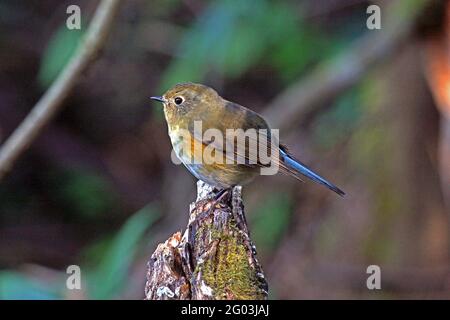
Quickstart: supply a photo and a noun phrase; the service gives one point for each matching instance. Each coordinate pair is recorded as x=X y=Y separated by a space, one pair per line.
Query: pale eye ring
x=178 y=100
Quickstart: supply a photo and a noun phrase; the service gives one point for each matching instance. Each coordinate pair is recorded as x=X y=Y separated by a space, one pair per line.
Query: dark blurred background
x=98 y=189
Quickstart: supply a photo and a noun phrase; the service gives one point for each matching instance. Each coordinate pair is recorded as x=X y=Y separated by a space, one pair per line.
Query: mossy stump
x=213 y=260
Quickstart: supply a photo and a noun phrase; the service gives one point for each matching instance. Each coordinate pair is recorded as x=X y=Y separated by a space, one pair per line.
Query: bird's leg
x=215 y=193
x=220 y=195
x=215 y=199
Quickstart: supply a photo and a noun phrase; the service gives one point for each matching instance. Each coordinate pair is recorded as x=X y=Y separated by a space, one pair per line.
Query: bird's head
x=185 y=98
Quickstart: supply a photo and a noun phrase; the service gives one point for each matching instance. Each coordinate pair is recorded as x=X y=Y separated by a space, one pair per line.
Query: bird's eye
x=178 y=100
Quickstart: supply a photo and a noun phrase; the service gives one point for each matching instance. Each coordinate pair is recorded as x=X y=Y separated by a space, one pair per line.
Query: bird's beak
x=158 y=98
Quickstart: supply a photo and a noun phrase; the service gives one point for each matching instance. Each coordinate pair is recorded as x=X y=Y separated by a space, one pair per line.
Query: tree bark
x=214 y=259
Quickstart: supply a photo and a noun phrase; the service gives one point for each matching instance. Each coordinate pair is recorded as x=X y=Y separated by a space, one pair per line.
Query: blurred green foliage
x=15 y=285
x=332 y=127
x=231 y=36
x=106 y=280
x=57 y=54
x=270 y=221
x=83 y=192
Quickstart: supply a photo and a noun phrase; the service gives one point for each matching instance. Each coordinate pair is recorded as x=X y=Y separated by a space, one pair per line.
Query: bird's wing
x=232 y=117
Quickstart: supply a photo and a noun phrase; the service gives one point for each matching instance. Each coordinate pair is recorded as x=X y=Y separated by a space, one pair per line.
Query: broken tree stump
x=214 y=259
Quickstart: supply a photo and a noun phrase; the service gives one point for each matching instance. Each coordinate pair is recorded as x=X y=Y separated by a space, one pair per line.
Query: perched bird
x=189 y=104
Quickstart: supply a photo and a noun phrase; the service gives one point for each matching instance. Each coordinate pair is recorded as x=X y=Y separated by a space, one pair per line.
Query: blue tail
x=304 y=170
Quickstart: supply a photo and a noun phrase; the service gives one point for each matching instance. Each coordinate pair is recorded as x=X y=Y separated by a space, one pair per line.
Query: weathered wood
x=214 y=259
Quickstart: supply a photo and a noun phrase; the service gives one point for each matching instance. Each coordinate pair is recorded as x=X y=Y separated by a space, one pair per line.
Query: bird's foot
x=214 y=198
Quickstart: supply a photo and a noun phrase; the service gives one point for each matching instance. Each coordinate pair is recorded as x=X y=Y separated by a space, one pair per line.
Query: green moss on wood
x=226 y=269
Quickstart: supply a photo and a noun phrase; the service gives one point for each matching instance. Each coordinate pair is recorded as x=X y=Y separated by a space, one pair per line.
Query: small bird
x=186 y=104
